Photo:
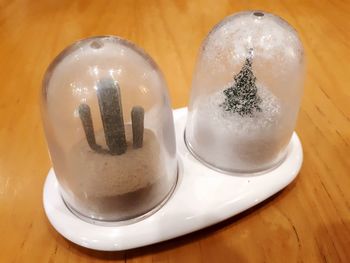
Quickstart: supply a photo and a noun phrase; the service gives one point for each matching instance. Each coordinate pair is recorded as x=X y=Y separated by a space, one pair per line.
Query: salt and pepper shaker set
x=112 y=144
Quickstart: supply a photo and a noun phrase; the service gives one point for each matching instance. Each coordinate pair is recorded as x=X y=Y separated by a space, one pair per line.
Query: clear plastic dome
x=246 y=93
x=109 y=128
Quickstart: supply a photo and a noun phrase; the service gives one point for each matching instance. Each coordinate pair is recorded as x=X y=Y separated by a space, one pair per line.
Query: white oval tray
x=202 y=198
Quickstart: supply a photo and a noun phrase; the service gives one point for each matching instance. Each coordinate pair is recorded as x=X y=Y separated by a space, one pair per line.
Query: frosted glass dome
x=246 y=93
x=109 y=128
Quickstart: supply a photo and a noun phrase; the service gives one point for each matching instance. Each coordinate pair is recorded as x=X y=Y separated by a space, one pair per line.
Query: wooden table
x=309 y=221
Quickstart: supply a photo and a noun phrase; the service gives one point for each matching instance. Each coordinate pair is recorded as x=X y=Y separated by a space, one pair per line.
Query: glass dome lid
x=109 y=128
x=246 y=93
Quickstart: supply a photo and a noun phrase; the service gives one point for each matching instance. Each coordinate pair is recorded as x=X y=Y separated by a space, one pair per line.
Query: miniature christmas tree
x=242 y=97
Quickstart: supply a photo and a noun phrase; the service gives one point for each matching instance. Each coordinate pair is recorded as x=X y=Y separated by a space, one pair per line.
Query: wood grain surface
x=309 y=221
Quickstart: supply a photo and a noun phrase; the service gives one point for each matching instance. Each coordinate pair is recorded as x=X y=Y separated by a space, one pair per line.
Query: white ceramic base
x=202 y=198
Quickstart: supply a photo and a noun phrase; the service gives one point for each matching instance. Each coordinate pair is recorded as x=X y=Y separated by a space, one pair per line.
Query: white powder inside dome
x=232 y=142
x=236 y=124
x=245 y=125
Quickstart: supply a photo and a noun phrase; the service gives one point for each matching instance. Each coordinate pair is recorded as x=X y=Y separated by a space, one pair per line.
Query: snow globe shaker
x=109 y=129
x=246 y=93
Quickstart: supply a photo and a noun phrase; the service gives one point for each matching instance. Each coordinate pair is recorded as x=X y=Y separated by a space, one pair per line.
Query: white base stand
x=202 y=198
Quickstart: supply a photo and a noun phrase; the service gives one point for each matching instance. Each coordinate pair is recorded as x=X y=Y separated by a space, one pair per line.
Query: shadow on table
x=173 y=243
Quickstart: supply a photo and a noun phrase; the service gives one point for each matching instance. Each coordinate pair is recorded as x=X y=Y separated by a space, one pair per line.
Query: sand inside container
x=117 y=187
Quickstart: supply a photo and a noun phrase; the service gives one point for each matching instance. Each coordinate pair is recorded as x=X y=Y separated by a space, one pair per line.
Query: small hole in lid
x=96 y=44
x=259 y=14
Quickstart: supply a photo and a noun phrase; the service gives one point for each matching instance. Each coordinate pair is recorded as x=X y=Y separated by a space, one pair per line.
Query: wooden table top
x=309 y=221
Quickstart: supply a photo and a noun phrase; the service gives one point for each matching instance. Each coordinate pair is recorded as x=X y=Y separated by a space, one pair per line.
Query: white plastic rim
x=188 y=209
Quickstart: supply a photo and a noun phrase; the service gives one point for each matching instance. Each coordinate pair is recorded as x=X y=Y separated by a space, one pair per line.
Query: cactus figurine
x=109 y=100
x=111 y=110
x=137 y=116
x=85 y=116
